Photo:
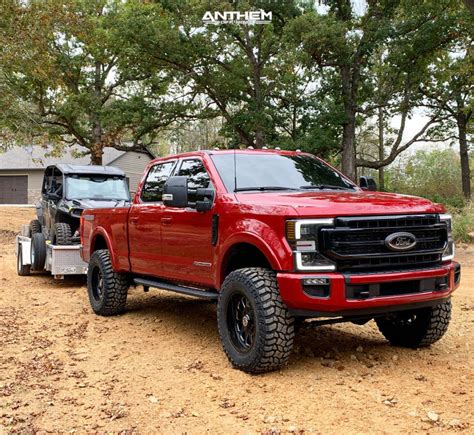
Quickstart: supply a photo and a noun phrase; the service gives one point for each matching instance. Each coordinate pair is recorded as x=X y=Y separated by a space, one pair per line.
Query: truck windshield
x=267 y=172
x=96 y=187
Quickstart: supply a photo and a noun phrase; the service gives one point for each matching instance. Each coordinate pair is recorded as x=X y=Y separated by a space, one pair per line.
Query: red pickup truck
x=276 y=238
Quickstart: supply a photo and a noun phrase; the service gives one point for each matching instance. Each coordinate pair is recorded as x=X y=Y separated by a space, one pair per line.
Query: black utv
x=69 y=189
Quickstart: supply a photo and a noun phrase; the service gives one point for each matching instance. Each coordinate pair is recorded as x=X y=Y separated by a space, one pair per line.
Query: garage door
x=14 y=189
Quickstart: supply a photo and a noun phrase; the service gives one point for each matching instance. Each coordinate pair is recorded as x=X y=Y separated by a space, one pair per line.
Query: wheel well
x=243 y=255
x=99 y=243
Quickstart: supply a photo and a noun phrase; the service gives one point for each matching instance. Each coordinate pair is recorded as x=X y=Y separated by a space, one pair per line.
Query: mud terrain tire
x=255 y=327
x=35 y=227
x=418 y=328
x=107 y=289
x=62 y=233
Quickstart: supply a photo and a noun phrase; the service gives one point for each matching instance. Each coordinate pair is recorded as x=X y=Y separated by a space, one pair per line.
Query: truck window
x=197 y=176
x=153 y=188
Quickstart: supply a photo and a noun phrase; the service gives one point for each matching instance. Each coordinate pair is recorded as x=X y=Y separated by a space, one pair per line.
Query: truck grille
x=358 y=243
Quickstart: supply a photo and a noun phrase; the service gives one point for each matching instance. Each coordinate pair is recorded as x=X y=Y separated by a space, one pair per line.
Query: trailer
x=60 y=260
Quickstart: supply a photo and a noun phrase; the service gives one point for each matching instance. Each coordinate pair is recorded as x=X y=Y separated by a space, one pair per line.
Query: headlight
x=302 y=235
x=448 y=253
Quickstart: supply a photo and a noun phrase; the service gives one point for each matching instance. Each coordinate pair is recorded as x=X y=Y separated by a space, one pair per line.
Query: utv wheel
x=255 y=327
x=35 y=227
x=62 y=233
x=38 y=252
x=107 y=289
x=22 y=269
x=418 y=328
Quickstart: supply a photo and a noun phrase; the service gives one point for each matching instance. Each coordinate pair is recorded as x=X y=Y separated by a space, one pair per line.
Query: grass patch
x=463 y=222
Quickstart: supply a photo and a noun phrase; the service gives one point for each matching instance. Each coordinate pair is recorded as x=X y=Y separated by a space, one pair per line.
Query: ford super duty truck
x=276 y=238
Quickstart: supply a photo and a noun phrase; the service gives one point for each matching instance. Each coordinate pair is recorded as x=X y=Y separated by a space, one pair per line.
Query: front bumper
x=369 y=294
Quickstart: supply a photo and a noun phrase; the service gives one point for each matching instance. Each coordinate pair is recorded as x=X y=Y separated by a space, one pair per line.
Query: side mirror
x=367 y=183
x=175 y=192
x=204 y=199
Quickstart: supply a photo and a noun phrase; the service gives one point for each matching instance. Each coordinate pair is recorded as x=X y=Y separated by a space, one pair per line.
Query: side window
x=197 y=176
x=153 y=188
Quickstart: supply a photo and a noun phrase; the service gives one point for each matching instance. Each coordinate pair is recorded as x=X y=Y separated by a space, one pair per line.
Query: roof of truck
x=89 y=169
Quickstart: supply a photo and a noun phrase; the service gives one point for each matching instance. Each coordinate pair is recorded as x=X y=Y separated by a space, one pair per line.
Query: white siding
x=133 y=164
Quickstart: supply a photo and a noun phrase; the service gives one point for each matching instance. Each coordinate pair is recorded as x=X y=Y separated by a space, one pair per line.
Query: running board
x=147 y=282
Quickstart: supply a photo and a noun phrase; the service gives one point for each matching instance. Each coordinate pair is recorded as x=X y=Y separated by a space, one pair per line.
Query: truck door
x=145 y=220
x=186 y=234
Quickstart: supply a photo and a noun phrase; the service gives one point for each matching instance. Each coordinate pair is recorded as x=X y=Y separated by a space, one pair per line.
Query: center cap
x=245 y=320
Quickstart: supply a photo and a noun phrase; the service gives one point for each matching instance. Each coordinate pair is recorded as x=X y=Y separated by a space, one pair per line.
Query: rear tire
x=255 y=327
x=107 y=289
x=22 y=269
x=62 y=233
x=38 y=252
x=418 y=328
x=35 y=227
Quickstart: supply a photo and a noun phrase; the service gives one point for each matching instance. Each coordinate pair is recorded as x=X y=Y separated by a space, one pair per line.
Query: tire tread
x=276 y=342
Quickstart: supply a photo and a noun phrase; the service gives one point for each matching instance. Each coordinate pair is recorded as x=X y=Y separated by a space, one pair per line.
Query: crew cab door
x=145 y=220
x=186 y=234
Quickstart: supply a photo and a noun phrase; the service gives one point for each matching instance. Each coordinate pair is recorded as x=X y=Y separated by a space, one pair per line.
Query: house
x=21 y=169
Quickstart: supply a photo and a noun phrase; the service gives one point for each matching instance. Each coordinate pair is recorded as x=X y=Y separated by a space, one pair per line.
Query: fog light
x=317 y=287
x=315 y=281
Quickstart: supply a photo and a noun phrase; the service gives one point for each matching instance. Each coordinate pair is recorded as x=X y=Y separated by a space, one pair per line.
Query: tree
x=62 y=68
x=449 y=92
x=346 y=45
x=239 y=69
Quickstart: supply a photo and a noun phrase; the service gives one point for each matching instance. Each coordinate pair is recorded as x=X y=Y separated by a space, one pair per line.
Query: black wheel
x=38 y=252
x=35 y=227
x=255 y=327
x=417 y=328
x=107 y=289
x=22 y=269
x=62 y=233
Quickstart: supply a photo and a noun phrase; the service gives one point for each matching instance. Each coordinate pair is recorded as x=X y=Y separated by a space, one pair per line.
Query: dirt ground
x=160 y=367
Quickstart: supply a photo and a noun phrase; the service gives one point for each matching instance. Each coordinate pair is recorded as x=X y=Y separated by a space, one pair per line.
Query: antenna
x=235 y=167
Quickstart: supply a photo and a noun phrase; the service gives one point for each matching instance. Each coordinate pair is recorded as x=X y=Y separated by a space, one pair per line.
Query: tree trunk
x=348 y=133
x=381 y=149
x=97 y=147
x=464 y=155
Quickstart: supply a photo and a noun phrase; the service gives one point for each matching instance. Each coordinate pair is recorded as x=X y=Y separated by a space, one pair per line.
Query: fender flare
x=99 y=231
x=250 y=238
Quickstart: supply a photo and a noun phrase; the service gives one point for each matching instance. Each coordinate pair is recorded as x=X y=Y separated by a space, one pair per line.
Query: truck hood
x=337 y=203
x=95 y=203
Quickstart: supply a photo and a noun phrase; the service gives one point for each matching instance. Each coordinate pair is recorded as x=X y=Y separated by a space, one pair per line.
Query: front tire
x=35 y=227
x=107 y=289
x=255 y=327
x=62 y=233
x=418 y=328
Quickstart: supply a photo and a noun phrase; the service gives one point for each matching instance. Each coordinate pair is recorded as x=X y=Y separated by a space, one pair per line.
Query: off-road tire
x=22 y=269
x=38 y=252
x=35 y=227
x=273 y=325
x=418 y=328
x=62 y=233
x=112 y=297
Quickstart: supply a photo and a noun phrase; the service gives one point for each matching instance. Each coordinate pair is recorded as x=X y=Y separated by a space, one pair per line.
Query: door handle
x=133 y=219
x=166 y=221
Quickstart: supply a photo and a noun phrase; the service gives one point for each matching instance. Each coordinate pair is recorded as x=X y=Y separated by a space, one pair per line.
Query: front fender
x=259 y=234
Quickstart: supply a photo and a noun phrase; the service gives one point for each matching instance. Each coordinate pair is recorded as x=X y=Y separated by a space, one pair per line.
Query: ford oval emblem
x=400 y=241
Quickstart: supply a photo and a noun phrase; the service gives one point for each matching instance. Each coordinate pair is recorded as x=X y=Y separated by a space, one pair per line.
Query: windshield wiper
x=263 y=188
x=325 y=186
